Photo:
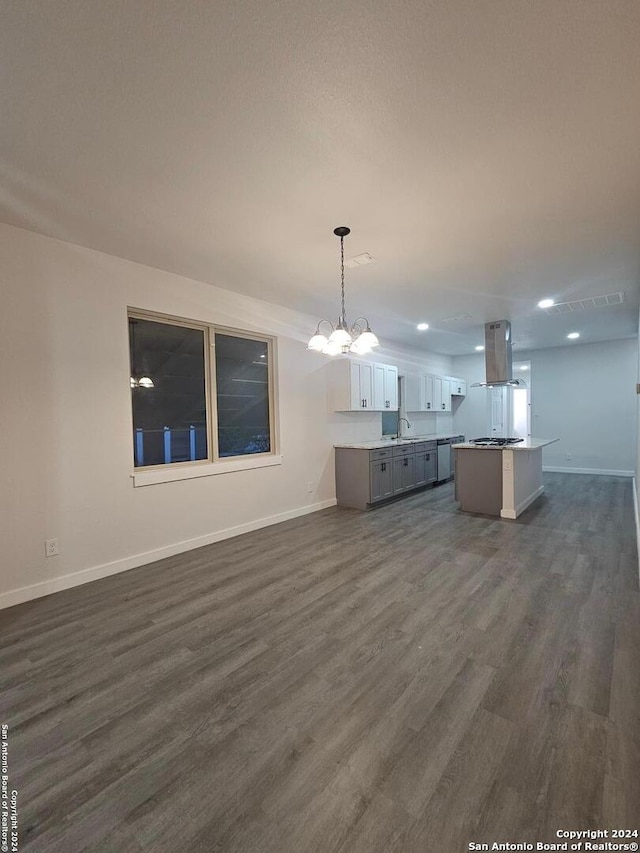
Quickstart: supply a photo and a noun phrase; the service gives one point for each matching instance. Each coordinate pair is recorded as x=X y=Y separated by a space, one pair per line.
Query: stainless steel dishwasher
x=458 y=439
x=446 y=467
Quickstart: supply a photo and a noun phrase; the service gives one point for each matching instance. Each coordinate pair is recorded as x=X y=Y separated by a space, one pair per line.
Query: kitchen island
x=500 y=481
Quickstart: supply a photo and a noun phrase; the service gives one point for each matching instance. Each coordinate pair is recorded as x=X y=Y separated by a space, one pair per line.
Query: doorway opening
x=520 y=414
x=510 y=406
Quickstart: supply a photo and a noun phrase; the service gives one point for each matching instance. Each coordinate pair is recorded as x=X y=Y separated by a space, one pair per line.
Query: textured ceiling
x=486 y=152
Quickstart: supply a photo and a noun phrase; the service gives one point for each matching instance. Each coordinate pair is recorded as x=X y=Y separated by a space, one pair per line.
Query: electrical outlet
x=309 y=486
x=51 y=547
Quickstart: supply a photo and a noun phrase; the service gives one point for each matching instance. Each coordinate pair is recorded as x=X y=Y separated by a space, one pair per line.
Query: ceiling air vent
x=456 y=319
x=586 y=304
x=359 y=261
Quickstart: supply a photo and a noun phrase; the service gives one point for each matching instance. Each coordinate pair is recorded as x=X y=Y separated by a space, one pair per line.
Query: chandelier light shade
x=145 y=382
x=357 y=338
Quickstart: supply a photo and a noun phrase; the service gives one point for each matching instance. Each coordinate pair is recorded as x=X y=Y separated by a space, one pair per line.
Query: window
x=242 y=395
x=198 y=393
x=390 y=423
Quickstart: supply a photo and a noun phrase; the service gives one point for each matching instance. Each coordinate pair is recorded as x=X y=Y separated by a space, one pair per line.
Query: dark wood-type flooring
x=406 y=680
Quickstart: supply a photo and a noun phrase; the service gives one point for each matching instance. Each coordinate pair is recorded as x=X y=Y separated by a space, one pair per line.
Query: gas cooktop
x=496 y=442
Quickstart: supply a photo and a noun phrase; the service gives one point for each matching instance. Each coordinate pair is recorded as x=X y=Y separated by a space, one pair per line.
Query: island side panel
x=352 y=478
x=521 y=480
x=479 y=480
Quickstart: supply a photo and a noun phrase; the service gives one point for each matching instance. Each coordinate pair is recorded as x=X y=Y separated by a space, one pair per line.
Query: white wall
x=470 y=417
x=582 y=394
x=65 y=419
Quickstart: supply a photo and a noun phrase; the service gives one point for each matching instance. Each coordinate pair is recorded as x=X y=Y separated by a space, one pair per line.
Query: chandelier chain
x=344 y=319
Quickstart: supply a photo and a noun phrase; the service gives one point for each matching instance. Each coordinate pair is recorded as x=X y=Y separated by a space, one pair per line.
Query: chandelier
x=358 y=338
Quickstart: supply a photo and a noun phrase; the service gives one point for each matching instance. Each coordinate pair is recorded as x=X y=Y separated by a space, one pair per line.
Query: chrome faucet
x=399 y=430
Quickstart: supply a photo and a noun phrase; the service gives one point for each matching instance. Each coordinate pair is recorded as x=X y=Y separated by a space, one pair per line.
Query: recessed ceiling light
x=546 y=303
x=422 y=327
x=573 y=335
x=524 y=367
x=480 y=349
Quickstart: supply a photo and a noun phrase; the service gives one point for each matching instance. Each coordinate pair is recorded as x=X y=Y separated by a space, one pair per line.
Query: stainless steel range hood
x=498 y=360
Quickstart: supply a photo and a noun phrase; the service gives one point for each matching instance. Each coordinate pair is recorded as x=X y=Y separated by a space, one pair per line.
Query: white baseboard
x=37 y=590
x=510 y=513
x=604 y=471
x=637 y=518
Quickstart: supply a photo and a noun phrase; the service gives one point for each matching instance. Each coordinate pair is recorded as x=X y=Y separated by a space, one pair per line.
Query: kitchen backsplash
x=345 y=427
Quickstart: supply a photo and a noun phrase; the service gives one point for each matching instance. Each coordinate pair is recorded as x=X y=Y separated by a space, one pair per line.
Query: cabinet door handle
x=443 y=405
x=427 y=457
x=406 y=462
x=428 y=405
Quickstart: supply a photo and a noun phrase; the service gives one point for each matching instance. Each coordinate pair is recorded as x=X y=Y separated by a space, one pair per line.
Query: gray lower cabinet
x=404 y=473
x=367 y=477
x=380 y=481
x=426 y=464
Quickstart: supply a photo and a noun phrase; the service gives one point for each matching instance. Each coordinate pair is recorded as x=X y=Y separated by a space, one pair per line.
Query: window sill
x=210 y=469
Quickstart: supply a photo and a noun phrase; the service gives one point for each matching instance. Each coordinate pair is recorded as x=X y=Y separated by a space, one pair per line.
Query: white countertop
x=382 y=442
x=527 y=444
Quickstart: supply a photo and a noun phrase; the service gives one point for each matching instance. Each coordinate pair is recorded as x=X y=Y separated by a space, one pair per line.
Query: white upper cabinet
x=437 y=393
x=445 y=397
x=362 y=386
x=458 y=387
x=413 y=392
x=385 y=387
x=426 y=392
x=423 y=392
x=378 y=386
x=428 y=395
x=350 y=385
